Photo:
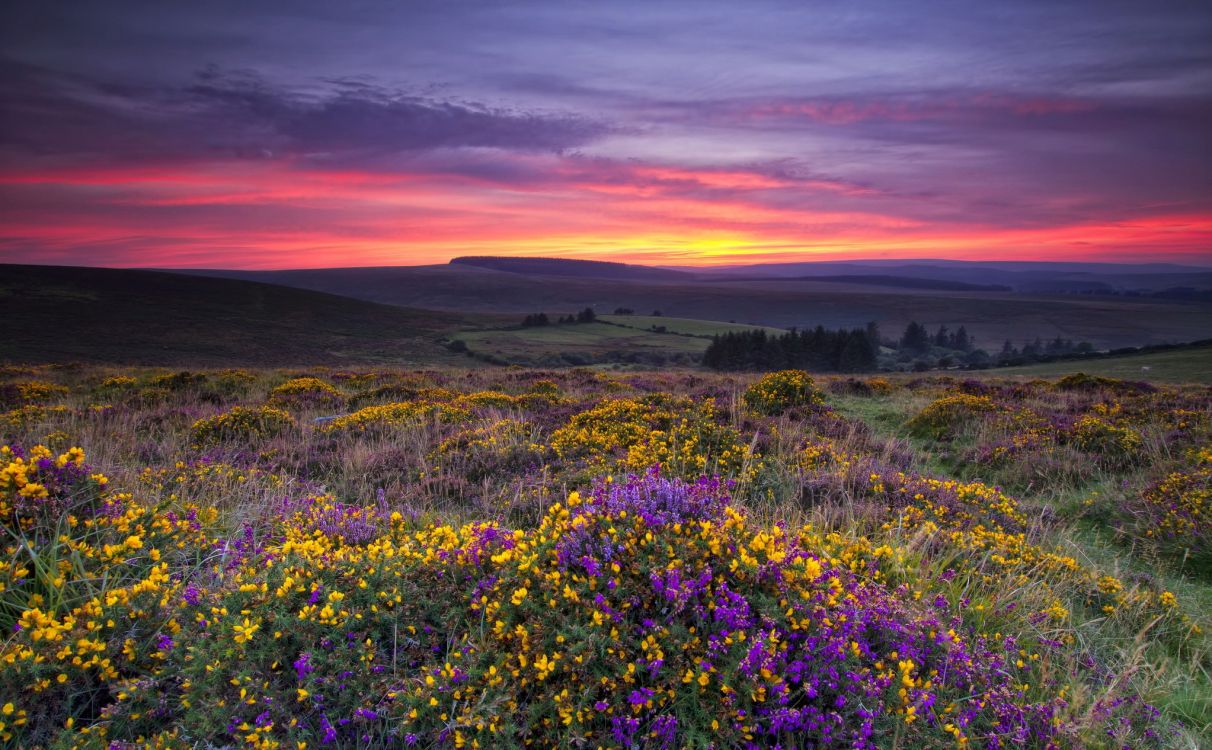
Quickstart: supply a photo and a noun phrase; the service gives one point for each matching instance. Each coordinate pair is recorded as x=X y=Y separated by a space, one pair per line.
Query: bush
x=650 y=614
x=778 y=392
x=306 y=392
x=241 y=424
x=948 y=416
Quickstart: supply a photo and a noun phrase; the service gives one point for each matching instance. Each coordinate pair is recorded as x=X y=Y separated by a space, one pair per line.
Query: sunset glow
x=819 y=142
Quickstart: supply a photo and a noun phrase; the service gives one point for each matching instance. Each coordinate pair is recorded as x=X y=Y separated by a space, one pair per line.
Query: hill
x=991 y=317
x=565 y=267
x=59 y=314
x=1027 y=277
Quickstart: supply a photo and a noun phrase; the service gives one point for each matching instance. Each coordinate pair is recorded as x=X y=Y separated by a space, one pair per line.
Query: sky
x=312 y=133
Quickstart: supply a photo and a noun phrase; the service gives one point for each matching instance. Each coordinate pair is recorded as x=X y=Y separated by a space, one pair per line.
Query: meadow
x=367 y=557
x=610 y=338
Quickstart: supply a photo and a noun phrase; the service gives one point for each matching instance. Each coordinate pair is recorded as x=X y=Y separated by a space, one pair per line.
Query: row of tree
x=918 y=340
x=540 y=319
x=818 y=349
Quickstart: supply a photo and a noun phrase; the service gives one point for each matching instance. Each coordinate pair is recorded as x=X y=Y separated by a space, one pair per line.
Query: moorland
x=503 y=557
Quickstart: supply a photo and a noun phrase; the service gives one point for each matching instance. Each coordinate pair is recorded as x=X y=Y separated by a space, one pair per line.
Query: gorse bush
x=306 y=392
x=947 y=416
x=683 y=436
x=1175 y=514
x=241 y=424
x=650 y=613
x=392 y=416
x=780 y=391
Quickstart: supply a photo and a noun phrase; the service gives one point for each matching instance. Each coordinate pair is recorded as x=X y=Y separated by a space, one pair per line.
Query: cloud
x=241 y=115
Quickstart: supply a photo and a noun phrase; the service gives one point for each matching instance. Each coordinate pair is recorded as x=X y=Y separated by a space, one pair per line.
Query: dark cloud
x=241 y=115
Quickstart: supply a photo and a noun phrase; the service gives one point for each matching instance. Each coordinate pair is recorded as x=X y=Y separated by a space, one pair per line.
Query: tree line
x=540 y=319
x=818 y=349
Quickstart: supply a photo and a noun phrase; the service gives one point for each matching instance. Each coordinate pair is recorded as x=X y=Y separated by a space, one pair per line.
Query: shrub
x=778 y=392
x=947 y=416
x=306 y=392
x=241 y=424
x=1115 y=444
x=30 y=392
x=390 y=416
x=649 y=614
x=1175 y=513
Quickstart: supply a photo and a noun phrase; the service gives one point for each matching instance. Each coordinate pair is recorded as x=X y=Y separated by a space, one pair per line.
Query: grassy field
x=1192 y=365
x=684 y=326
x=379 y=557
x=616 y=338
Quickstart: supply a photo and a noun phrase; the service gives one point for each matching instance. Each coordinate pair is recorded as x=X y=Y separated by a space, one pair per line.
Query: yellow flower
x=244 y=633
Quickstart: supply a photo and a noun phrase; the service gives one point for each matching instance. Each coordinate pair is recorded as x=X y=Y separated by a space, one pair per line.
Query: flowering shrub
x=25 y=417
x=947 y=416
x=229 y=587
x=779 y=391
x=241 y=424
x=649 y=613
x=30 y=392
x=1116 y=444
x=306 y=392
x=1176 y=513
x=390 y=416
x=86 y=595
x=681 y=435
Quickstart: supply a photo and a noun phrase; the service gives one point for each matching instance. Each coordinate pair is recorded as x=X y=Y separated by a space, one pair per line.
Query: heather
x=517 y=558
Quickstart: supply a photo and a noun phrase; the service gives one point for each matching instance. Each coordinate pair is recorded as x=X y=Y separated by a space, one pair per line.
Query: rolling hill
x=60 y=314
x=1107 y=321
x=596 y=269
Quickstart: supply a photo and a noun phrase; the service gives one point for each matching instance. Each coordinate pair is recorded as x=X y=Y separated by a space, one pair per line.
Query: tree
x=942 y=338
x=915 y=338
x=961 y=340
x=586 y=316
x=856 y=355
x=873 y=338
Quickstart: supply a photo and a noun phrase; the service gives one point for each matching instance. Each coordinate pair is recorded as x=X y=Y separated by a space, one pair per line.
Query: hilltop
x=564 y=267
x=58 y=314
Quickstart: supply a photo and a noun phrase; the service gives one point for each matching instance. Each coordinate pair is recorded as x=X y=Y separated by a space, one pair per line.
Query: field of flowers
x=519 y=558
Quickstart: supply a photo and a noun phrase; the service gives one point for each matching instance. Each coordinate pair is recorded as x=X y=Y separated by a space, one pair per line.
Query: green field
x=1191 y=365
x=614 y=338
x=583 y=343
x=684 y=326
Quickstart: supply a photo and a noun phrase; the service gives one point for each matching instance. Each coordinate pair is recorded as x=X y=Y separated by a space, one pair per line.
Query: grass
x=613 y=338
x=581 y=343
x=1191 y=365
x=683 y=326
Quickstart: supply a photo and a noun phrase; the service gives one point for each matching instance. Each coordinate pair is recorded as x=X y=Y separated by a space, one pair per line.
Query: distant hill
x=1028 y=277
x=59 y=314
x=565 y=267
x=909 y=282
x=992 y=317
